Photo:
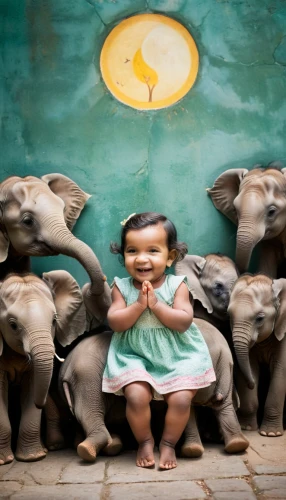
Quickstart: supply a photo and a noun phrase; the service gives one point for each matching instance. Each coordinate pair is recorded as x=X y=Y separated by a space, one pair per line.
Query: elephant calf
x=211 y=279
x=80 y=382
x=258 y=316
x=32 y=313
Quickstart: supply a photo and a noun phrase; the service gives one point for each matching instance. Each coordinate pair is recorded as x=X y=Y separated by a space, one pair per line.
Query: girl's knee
x=138 y=394
x=181 y=400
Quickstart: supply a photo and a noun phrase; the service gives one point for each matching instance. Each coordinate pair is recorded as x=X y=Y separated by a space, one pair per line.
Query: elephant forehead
x=255 y=295
x=220 y=268
x=33 y=191
x=24 y=290
x=267 y=182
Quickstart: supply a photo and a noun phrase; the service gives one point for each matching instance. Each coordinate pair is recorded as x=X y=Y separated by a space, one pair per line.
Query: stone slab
x=214 y=463
x=270 y=486
x=185 y=490
x=224 y=489
x=235 y=495
x=46 y=471
x=270 y=469
x=266 y=450
x=5 y=468
x=79 y=471
x=59 y=492
x=7 y=488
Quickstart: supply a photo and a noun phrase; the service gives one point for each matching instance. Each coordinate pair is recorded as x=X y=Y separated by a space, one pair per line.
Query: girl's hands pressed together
x=150 y=294
x=143 y=297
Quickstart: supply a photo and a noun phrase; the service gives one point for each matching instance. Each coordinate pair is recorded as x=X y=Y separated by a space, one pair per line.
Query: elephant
x=257 y=310
x=210 y=280
x=33 y=313
x=80 y=382
x=255 y=201
x=36 y=219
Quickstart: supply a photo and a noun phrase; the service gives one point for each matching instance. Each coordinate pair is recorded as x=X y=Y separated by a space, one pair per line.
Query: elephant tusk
x=60 y=359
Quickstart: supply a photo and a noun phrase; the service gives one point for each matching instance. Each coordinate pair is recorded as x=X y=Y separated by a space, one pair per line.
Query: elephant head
x=210 y=280
x=257 y=309
x=32 y=313
x=36 y=218
x=254 y=200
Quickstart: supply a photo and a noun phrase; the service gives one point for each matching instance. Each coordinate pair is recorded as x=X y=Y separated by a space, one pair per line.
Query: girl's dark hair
x=139 y=221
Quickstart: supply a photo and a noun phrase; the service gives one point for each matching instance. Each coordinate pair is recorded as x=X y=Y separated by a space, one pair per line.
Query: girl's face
x=146 y=254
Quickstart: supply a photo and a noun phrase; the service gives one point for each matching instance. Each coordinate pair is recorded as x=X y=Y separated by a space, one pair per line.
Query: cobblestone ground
x=259 y=473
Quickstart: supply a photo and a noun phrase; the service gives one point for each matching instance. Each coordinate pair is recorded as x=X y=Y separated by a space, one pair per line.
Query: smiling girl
x=156 y=351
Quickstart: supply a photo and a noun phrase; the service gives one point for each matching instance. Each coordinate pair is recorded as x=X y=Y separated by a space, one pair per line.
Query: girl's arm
x=180 y=316
x=120 y=316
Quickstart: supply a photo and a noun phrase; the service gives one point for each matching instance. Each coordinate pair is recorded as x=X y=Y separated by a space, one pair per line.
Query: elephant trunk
x=42 y=352
x=249 y=233
x=63 y=241
x=241 y=347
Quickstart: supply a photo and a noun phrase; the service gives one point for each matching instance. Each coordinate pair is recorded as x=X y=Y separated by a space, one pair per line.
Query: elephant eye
x=259 y=318
x=218 y=288
x=13 y=325
x=271 y=211
x=28 y=221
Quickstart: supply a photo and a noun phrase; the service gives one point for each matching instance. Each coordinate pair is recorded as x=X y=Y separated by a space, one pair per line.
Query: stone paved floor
x=259 y=473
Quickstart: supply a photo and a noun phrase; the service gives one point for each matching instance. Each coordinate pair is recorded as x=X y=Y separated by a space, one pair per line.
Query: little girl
x=156 y=352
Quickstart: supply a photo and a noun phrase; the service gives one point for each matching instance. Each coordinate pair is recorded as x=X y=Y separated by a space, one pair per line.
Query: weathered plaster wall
x=57 y=115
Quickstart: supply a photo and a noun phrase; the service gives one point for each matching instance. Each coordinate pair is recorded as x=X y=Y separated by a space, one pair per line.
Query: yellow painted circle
x=149 y=61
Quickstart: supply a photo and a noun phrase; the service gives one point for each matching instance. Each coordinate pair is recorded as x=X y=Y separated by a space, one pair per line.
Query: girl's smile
x=146 y=254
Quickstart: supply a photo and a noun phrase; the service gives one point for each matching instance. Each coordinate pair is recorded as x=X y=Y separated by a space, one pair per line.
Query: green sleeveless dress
x=150 y=352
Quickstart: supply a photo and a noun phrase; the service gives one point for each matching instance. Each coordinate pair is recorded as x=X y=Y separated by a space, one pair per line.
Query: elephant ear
x=225 y=190
x=279 y=290
x=192 y=266
x=1 y=344
x=73 y=197
x=283 y=170
x=4 y=246
x=71 y=312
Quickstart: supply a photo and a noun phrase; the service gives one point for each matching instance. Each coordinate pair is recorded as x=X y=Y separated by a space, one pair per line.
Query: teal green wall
x=58 y=116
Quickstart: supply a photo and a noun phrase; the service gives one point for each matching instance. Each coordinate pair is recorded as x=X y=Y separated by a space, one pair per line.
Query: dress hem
x=180 y=383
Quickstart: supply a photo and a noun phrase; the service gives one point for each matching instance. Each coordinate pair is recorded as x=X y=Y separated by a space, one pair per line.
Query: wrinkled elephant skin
x=257 y=310
x=210 y=280
x=36 y=219
x=255 y=200
x=80 y=383
x=31 y=314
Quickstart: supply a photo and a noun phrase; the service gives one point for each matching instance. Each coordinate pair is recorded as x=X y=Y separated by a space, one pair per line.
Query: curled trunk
x=97 y=294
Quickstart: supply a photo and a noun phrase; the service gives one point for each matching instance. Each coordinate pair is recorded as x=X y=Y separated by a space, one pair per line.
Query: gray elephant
x=255 y=201
x=36 y=219
x=80 y=381
x=32 y=313
x=210 y=279
x=257 y=310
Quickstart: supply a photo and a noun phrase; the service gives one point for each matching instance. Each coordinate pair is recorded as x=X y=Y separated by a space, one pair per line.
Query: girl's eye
x=153 y=250
x=130 y=250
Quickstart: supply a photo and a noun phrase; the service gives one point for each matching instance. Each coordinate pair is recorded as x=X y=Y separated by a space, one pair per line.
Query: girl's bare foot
x=167 y=457
x=145 y=455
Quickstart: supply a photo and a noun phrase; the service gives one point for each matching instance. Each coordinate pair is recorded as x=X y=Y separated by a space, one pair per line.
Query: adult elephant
x=80 y=383
x=256 y=201
x=32 y=313
x=36 y=219
x=257 y=310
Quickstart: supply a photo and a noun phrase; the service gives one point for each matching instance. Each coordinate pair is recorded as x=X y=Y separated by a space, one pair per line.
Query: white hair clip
x=123 y=222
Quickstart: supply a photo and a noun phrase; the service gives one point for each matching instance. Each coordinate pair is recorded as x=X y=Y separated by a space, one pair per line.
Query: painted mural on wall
x=149 y=61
